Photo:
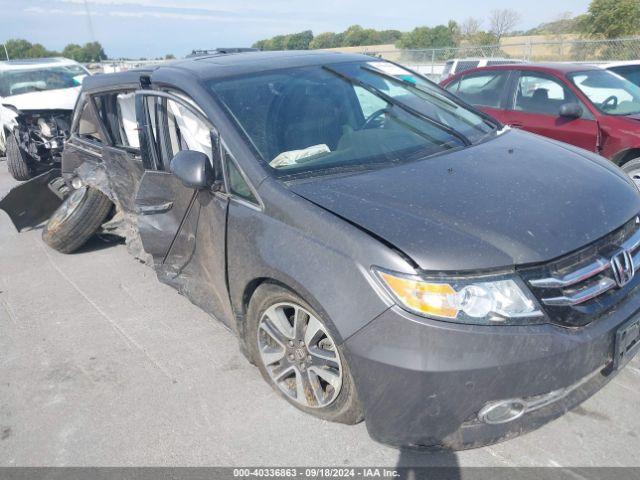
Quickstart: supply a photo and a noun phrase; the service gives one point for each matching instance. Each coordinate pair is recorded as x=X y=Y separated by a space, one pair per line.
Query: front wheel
x=632 y=168
x=297 y=355
x=17 y=163
x=76 y=220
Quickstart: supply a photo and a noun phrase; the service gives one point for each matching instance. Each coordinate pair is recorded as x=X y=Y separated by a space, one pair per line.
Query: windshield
x=609 y=93
x=16 y=82
x=346 y=115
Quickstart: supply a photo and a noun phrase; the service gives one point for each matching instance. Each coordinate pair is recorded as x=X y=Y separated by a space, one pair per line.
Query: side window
x=237 y=184
x=118 y=115
x=453 y=87
x=172 y=127
x=88 y=125
x=541 y=94
x=484 y=89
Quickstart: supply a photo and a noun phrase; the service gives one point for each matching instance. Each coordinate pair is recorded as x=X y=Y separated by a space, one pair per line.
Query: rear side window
x=541 y=94
x=88 y=125
x=483 y=89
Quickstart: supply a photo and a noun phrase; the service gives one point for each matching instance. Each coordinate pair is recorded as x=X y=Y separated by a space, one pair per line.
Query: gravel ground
x=101 y=365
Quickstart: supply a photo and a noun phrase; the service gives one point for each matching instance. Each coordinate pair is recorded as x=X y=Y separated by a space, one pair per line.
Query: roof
x=556 y=67
x=32 y=63
x=104 y=81
x=225 y=65
x=629 y=63
x=488 y=59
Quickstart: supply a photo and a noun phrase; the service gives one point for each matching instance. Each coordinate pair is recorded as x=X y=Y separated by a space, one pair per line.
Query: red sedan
x=583 y=105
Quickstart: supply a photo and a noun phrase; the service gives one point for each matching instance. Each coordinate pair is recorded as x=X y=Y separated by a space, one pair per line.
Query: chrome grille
x=575 y=288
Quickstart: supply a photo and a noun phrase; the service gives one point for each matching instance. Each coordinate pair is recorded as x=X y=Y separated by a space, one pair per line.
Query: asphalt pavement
x=101 y=365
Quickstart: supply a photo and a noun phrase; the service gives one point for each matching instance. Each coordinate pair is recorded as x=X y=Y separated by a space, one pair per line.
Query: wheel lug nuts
x=301 y=343
x=291 y=343
x=290 y=357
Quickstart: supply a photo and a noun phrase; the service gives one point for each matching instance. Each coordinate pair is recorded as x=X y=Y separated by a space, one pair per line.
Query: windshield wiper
x=411 y=85
x=489 y=120
x=438 y=98
x=392 y=101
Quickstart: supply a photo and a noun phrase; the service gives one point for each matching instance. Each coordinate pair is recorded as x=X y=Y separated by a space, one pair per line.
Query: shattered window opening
x=88 y=127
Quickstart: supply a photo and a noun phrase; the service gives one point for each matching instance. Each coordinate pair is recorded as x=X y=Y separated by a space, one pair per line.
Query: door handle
x=516 y=125
x=155 y=208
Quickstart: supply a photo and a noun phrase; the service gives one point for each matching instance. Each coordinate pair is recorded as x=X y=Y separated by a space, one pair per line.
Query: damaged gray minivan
x=382 y=250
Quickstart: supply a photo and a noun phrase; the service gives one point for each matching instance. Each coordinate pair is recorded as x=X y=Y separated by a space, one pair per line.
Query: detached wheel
x=297 y=356
x=76 y=220
x=17 y=160
x=632 y=168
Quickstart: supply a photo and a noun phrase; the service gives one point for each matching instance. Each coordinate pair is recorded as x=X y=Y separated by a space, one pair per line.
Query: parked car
x=583 y=105
x=629 y=70
x=37 y=97
x=381 y=250
x=458 y=65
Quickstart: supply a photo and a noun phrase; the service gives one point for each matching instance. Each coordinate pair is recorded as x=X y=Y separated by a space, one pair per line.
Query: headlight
x=485 y=300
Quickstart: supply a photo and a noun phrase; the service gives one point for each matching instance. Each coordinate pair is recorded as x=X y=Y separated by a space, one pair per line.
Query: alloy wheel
x=68 y=206
x=299 y=355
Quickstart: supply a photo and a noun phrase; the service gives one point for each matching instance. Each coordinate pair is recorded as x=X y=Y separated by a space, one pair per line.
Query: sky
x=151 y=28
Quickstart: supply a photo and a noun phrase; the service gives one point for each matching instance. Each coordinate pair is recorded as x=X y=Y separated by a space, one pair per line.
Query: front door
x=536 y=107
x=182 y=228
x=484 y=90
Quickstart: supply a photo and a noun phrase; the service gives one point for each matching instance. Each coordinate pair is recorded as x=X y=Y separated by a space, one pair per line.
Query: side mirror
x=571 y=110
x=193 y=168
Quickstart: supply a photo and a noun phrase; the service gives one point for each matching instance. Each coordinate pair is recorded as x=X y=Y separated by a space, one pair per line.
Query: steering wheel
x=610 y=102
x=367 y=123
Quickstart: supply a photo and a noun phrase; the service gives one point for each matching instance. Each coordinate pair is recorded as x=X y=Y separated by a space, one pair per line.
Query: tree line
x=87 y=53
x=604 y=19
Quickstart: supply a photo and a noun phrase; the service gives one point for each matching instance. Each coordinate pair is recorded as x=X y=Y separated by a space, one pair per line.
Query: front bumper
x=423 y=382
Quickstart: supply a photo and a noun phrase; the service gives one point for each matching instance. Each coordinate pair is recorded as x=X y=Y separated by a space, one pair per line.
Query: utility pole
x=92 y=34
x=5 y=50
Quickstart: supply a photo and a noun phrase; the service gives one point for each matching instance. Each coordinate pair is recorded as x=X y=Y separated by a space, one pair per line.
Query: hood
x=514 y=200
x=61 y=99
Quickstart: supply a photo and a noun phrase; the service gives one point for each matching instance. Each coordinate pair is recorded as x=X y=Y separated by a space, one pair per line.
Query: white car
x=629 y=70
x=37 y=97
x=457 y=65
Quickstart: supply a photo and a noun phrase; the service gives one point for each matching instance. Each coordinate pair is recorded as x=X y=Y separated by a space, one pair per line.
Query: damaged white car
x=37 y=97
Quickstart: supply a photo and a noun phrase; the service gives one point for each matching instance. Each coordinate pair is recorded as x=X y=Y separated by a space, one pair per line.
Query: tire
x=17 y=160
x=320 y=398
x=76 y=220
x=632 y=168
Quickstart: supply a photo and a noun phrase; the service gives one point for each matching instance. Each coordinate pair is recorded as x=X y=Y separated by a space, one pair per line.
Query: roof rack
x=220 y=51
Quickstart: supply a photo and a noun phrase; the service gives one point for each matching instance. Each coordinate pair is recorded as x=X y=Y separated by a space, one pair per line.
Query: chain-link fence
x=431 y=61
